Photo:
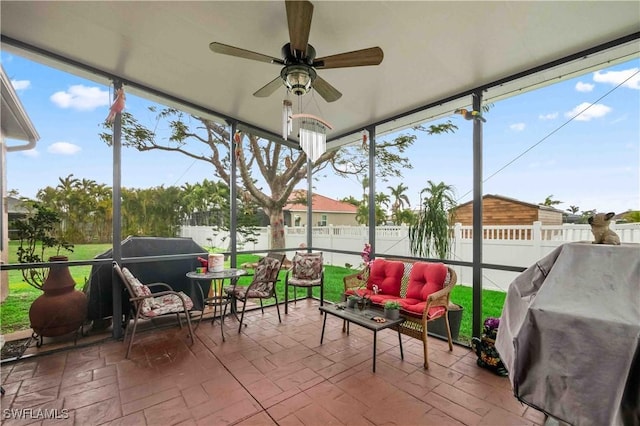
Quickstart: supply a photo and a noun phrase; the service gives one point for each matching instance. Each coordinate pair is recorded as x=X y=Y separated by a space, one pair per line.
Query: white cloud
x=517 y=127
x=623 y=117
x=593 y=111
x=81 y=98
x=63 y=148
x=20 y=84
x=617 y=77
x=550 y=116
x=584 y=87
x=31 y=153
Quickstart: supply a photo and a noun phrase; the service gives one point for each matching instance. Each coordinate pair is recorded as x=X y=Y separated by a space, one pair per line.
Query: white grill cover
x=569 y=334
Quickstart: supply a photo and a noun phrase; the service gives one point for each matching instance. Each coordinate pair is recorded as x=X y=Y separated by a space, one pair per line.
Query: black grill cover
x=172 y=272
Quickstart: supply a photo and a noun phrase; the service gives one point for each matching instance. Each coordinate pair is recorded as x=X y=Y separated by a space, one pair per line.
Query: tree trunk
x=276 y=220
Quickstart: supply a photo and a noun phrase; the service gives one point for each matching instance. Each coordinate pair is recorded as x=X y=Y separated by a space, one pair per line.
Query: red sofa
x=421 y=288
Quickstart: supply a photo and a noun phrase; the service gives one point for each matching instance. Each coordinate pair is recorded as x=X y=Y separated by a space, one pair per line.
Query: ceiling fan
x=299 y=57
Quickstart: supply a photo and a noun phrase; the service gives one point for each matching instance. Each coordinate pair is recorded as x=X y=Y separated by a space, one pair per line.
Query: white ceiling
x=432 y=51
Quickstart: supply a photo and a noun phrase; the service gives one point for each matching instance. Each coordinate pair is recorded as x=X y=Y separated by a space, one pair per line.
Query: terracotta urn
x=61 y=309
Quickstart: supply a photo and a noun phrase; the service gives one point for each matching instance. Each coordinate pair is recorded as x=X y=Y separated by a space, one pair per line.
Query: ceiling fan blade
x=327 y=91
x=269 y=88
x=299 y=14
x=241 y=53
x=357 y=58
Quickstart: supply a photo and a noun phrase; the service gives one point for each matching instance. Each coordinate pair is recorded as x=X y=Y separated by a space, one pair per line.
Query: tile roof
x=320 y=203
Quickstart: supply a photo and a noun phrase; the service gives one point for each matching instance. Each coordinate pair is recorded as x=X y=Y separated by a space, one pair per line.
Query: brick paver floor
x=269 y=374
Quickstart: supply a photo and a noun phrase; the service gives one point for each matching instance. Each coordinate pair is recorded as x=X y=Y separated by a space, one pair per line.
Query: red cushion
x=381 y=298
x=426 y=278
x=387 y=275
x=360 y=292
x=418 y=308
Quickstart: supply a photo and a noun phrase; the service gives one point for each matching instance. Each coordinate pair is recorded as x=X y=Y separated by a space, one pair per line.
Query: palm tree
x=573 y=209
x=549 y=201
x=632 y=216
x=399 y=200
x=430 y=231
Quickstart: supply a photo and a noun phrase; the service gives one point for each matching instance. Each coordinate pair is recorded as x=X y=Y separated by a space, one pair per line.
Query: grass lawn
x=14 y=314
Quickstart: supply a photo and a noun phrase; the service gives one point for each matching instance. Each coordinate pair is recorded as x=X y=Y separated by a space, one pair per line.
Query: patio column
x=372 y=189
x=116 y=287
x=233 y=202
x=476 y=325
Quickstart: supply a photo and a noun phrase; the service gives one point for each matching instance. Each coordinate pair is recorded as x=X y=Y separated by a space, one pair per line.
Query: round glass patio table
x=215 y=298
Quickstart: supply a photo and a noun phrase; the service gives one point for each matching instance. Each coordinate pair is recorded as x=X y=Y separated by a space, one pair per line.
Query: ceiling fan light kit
x=298 y=78
x=299 y=74
x=299 y=57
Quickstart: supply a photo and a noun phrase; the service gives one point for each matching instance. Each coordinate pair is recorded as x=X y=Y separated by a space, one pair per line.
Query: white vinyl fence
x=517 y=245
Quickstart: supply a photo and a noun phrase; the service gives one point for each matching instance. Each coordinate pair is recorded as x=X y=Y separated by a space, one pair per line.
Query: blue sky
x=591 y=161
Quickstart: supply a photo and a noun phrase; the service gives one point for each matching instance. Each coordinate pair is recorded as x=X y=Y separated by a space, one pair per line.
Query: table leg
x=400 y=340
x=324 y=322
x=214 y=285
x=204 y=303
x=375 y=339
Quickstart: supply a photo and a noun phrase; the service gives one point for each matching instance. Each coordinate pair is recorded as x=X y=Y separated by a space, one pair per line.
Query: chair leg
x=190 y=328
x=244 y=305
x=424 y=346
x=179 y=320
x=321 y=295
x=446 y=320
x=261 y=307
x=286 y=298
x=133 y=333
x=277 y=306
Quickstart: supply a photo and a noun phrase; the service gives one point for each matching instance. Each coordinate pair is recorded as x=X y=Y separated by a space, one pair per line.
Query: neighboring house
x=15 y=124
x=326 y=211
x=15 y=210
x=499 y=210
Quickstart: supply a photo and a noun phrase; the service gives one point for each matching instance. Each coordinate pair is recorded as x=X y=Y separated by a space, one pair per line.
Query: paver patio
x=269 y=374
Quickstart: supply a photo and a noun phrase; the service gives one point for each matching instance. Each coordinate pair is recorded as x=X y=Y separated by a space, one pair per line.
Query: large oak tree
x=260 y=162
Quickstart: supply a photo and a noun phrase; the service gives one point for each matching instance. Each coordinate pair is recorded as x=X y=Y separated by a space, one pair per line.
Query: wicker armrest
x=353 y=281
x=439 y=298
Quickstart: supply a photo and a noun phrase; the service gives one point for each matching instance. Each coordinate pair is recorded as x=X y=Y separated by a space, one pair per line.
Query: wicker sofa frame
x=415 y=325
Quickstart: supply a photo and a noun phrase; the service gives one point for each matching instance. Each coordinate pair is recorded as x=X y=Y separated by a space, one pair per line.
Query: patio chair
x=263 y=285
x=148 y=305
x=307 y=270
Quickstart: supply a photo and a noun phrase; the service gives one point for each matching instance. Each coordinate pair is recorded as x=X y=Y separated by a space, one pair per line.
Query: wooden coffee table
x=364 y=319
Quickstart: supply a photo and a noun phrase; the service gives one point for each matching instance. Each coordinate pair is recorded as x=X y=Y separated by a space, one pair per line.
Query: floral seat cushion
x=306 y=269
x=264 y=278
x=155 y=306
x=170 y=304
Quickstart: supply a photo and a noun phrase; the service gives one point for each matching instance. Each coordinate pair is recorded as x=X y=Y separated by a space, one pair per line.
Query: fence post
x=457 y=238
x=331 y=234
x=536 y=238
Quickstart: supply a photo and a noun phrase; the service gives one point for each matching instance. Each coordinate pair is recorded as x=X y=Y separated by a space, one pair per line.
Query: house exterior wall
x=497 y=211
x=4 y=223
x=547 y=217
x=332 y=218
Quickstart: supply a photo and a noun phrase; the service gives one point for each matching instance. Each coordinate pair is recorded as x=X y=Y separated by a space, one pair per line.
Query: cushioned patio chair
x=307 y=270
x=263 y=285
x=148 y=305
